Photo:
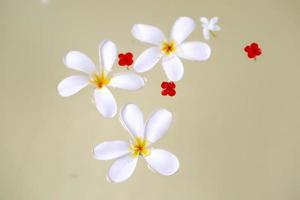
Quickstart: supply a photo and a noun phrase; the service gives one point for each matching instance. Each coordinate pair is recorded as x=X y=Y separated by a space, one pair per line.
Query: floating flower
x=169 y=50
x=209 y=26
x=168 y=88
x=98 y=77
x=252 y=50
x=125 y=59
x=142 y=137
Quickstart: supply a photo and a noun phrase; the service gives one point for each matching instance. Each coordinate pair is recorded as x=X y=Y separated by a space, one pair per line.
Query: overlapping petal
x=133 y=120
x=214 y=20
x=107 y=54
x=127 y=81
x=157 y=125
x=206 y=34
x=182 y=28
x=173 y=67
x=111 y=149
x=105 y=102
x=72 y=85
x=147 y=33
x=163 y=162
x=216 y=28
x=147 y=59
x=194 y=51
x=122 y=169
x=79 y=61
x=204 y=20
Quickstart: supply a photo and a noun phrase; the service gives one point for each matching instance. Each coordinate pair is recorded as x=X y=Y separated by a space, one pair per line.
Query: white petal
x=122 y=168
x=147 y=33
x=107 y=54
x=216 y=28
x=127 y=81
x=105 y=102
x=182 y=28
x=214 y=20
x=147 y=59
x=205 y=26
x=194 y=51
x=173 y=67
x=79 y=61
x=111 y=149
x=132 y=119
x=72 y=85
x=157 y=125
x=204 y=20
x=162 y=161
x=206 y=33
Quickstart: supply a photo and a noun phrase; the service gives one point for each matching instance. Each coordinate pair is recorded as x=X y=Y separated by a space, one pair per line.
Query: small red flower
x=252 y=50
x=168 y=88
x=125 y=59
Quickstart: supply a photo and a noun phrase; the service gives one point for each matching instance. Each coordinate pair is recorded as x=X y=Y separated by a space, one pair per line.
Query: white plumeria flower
x=143 y=136
x=209 y=26
x=169 y=50
x=98 y=77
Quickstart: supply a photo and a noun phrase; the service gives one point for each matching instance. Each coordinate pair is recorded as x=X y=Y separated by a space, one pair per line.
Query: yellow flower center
x=168 y=47
x=140 y=147
x=100 y=80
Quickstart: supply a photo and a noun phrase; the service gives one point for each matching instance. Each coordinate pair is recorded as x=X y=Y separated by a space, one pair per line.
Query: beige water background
x=236 y=128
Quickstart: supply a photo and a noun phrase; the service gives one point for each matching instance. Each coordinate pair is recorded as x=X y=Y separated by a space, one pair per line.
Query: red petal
x=125 y=60
x=164 y=92
x=254 y=45
x=129 y=62
x=258 y=52
x=251 y=54
x=247 y=48
x=122 y=62
x=172 y=92
x=164 y=85
x=121 y=55
x=128 y=54
x=172 y=85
